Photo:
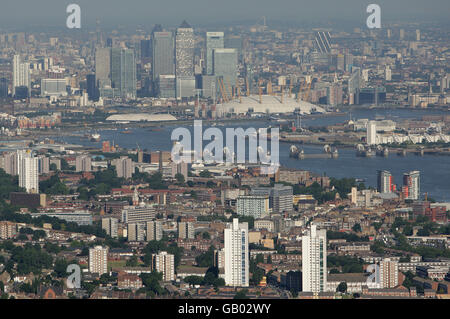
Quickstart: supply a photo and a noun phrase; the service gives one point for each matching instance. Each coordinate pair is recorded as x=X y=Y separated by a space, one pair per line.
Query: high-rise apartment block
x=236 y=254
x=83 y=163
x=110 y=225
x=164 y=263
x=388 y=273
x=384 y=182
x=154 y=230
x=98 y=260
x=124 y=167
x=28 y=172
x=186 y=230
x=253 y=205
x=21 y=75
x=314 y=260
x=411 y=185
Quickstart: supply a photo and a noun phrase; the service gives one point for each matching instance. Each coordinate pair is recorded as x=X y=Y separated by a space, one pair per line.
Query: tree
x=205 y=174
x=241 y=294
x=180 y=178
x=132 y=262
x=206 y=259
x=342 y=288
x=357 y=228
x=151 y=282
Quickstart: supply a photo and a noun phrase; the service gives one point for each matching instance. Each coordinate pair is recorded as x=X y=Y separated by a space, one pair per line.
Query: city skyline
x=288 y=11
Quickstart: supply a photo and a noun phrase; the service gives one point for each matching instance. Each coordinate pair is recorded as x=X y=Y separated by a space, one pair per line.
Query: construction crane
x=299 y=92
x=247 y=86
x=260 y=91
x=308 y=90
x=222 y=90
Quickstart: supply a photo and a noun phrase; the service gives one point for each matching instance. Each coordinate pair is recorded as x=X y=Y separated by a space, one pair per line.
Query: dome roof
x=269 y=103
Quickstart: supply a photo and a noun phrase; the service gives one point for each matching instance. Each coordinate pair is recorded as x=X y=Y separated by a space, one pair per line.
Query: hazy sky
x=24 y=13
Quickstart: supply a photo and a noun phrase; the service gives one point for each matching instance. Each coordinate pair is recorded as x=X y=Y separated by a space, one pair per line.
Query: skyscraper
x=314 y=260
x=28 y=172
x=21 y=75
x=411 y=183
x=322 y=42
x=163 y=54
x=98 y=260
x=225 y=65
x=103 y=67
x=123 y=72
x=384 y=182
x=184 y=46
x=214 y=40
x=236 y=254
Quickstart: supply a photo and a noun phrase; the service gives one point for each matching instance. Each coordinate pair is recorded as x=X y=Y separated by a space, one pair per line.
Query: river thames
x=434 y=169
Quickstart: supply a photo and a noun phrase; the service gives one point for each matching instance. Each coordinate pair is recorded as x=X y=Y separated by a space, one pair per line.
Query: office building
x=98 y=260
x=384 y=182
x=110 y=226
x=83 y=163
x=165 y=264
x=314 y=260
x=123 y=72
x=91 y=87
x=146 y=50
x=253 y=205
x=166 y=86
x=21 y=75
x=4 y=88
x=186 y=230
x=124 y=167
x=411 y=185
x=185 y=86
x=154 y=230
x=29 y=173
x=225 y=64
x=214 y=40
x=138 y=214
x=210 y=86
x=103 y=67
x=322 y=42
x=234 y=42
x=79 y=217
x=184 y=51
x=236 y=254
x=53 y=87
x=163 y=54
